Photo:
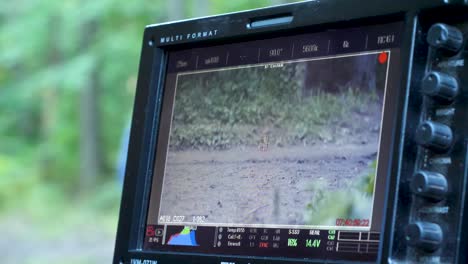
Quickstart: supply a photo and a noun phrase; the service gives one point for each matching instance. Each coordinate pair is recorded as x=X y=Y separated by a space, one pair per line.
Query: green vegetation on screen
x=327 y=206
x=266 y=102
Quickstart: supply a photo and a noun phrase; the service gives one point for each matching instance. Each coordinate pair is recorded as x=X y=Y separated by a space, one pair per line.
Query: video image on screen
x=291 y=143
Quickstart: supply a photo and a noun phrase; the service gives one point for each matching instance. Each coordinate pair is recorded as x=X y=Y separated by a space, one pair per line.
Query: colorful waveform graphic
x=185 y=238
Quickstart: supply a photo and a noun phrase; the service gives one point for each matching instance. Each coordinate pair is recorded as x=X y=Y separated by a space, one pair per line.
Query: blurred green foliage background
x=68 y=71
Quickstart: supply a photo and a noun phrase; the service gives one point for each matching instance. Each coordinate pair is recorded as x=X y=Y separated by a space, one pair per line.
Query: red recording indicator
x=150 y=231
x=383 y=57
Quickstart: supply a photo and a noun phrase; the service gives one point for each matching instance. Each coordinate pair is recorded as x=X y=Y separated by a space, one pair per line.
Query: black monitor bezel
x=316 y=15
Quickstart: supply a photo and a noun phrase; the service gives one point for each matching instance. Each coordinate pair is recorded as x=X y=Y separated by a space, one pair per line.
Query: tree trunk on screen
x=90 y=144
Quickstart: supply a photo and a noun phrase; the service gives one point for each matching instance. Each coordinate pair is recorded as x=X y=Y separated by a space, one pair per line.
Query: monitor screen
x=273 y=147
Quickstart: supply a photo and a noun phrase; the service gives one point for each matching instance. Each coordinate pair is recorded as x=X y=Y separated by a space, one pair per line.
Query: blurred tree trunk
x=90 y=144
x=48 y=108
x=201 y=8
x=175 y=9
x=47 y=125
x=278 y=2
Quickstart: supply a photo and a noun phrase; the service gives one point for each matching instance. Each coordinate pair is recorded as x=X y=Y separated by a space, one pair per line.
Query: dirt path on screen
x=249 y=186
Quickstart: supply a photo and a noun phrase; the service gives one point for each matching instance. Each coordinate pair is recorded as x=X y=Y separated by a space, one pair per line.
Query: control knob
x=430 y=185
x=442 y=36
x=440 y=86
x=435 y=136
x=424 y=235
